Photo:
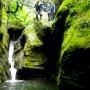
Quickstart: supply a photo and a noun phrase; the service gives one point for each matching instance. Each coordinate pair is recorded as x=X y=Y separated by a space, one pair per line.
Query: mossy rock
x=73 y=24
x=2 y=74
x=33 y=52
x=4 y=39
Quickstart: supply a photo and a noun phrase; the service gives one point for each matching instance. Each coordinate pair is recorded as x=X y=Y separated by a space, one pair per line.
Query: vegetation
x=61 y=47
x=3 y=43
x=75 y=37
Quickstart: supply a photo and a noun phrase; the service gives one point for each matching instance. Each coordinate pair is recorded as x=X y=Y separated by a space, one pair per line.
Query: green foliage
x=12 y=6
x=19 y=18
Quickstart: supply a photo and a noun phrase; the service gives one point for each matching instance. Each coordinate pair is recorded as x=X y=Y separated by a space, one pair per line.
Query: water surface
x=29 y=85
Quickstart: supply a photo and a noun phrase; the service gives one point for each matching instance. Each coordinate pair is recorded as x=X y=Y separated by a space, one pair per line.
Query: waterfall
x=11 y=61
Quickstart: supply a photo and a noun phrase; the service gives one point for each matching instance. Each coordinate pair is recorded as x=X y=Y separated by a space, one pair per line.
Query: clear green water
x=29 y=85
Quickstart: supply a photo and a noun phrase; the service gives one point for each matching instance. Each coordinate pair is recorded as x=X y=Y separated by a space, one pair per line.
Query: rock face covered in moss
x=10 y=29
x=33 y=49
x=72 y=26
x=31 y=59
x=3 y=47
x=63 y=51
x=3 y=59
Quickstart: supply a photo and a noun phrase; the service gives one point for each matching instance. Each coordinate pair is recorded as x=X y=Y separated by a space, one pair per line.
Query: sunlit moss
x=3 y=45
x=77 y=26
x=3 y=29
x=34 y=55
x=20 y=18
x=78 y=32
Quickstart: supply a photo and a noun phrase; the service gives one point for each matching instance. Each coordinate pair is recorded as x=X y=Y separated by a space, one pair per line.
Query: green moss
x=32 y=38
x=34 y=56
x=12 y=6
x=78 y=33
x=34 y=60
x=77 y=26
x=2 y=73
x=3 y=30
x=20 y=18
x=3 y=46
x=77 y=22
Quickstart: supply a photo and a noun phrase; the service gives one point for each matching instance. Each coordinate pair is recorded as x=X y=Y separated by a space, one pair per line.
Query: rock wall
x=4 y=38
x=71 y=33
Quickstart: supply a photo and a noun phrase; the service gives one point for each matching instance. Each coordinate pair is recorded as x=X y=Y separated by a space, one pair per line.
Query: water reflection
x=29 y=85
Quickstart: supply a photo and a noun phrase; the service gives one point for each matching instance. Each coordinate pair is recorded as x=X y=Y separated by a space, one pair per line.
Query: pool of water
x=28 y=85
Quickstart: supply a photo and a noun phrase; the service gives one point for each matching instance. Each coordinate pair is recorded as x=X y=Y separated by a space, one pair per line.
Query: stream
x=11 y=61
x=28 y=85
x=32 y=84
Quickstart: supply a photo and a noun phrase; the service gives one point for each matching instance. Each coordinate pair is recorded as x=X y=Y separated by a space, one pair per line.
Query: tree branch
x=19 y=19
x=17 y=6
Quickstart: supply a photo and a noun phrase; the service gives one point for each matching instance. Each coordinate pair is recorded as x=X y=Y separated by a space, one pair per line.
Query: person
x=38 y=10
x=44 y=6
x=51 y=11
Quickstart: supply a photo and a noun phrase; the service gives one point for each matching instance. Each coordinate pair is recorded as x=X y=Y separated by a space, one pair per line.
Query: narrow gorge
x=43 y=52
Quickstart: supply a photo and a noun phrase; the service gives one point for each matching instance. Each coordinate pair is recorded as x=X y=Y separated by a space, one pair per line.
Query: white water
x=11 y=61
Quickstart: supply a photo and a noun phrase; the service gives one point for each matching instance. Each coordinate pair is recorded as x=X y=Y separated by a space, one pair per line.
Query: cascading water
x=11 y=61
